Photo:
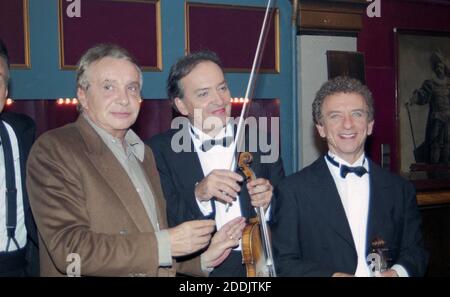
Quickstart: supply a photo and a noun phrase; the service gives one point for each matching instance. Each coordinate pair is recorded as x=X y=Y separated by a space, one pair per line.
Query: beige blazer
x=84 y=203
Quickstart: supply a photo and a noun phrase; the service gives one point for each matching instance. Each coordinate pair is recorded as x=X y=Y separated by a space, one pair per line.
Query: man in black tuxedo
x=196 y=178
x=328 y=214
x=18 y=237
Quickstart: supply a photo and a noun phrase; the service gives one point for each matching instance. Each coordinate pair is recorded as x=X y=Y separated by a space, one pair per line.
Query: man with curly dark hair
x=329 y=214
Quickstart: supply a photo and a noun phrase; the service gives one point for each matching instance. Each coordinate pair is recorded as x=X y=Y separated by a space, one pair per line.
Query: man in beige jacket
x=95 y=191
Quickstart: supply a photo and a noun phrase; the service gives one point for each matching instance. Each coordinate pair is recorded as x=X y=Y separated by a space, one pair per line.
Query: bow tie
x=210 y=143
x=344 y=169
x=358 y=170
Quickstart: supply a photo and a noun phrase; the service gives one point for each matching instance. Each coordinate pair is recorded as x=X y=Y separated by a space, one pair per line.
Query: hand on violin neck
x=261 y=191
x=221 y=184
x=223 y=242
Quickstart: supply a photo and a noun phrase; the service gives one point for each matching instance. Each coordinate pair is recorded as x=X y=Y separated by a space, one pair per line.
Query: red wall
x=377 y=41
x=154 y=117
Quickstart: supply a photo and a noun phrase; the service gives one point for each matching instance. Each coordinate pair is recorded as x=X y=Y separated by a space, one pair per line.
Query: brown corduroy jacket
x=84 y=203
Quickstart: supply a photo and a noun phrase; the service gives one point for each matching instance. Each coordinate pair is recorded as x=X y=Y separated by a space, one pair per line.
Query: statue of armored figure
x=435 y=92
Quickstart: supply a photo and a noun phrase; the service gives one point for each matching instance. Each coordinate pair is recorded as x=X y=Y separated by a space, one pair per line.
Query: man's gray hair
x=97 y=53
x=341 y=84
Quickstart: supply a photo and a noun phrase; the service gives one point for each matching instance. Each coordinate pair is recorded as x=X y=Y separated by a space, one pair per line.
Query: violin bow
x=237 y=145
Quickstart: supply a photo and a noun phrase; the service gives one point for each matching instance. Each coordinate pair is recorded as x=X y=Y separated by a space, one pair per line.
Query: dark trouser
x=231 y=267
x=13 y=263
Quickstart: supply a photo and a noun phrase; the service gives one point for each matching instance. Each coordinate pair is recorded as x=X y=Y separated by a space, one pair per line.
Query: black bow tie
x=210 y=143
x=344 y=169
x=358 y=170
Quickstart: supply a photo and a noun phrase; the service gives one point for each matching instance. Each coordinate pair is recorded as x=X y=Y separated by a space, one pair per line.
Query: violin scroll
x=245 y=159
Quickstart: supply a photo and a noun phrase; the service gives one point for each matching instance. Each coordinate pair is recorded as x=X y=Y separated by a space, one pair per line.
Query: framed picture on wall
x=239 y=28
x=139 y=30
x=342 y=63
x=423 y=108
x=15 y=33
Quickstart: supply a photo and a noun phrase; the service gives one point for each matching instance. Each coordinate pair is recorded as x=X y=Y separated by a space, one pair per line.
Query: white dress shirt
x=354 y=192
x=21 y=232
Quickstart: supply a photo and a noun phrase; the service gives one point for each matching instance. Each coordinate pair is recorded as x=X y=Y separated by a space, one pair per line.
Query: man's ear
x=2 y=104
x=181 y=106
x=321 y=130
x=81 y=95
x=370 y=128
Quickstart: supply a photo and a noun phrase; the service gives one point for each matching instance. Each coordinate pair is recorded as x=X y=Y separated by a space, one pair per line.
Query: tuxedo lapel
x=114 y=175
x=189 y=164
x=327 y=201
x=187 y=172
x=380 y=205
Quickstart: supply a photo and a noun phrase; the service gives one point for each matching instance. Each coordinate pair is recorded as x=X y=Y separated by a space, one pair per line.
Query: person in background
x=19 y=254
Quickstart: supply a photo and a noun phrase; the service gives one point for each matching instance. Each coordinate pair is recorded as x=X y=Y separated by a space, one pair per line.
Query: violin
x=378 y=258
x=256 y=245
x=379 y=247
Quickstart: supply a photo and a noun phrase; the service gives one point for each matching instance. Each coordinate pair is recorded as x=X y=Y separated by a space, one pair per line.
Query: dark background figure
x=19 y=254
x=435 y=92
